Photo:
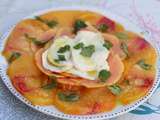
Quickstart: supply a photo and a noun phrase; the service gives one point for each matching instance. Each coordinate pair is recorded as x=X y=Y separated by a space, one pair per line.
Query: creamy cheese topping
x=84 y=56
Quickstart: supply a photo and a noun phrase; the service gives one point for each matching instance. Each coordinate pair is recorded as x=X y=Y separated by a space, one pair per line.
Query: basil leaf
x=51 y=85
x=14 y=56
x=124 y=47
x=56 y=60
x=115 y=89
x=68 y=97
x=104 y=75
x=78 y=46
x=79 y=24
x=88 y=51
x=108 y=45
x=143 y=65
x=127 y=82
x=121 y=35
x=50 y=24
x=61 y=58
x=39 y=19
x=35 y=41
x=64 y=49
x=103 y=27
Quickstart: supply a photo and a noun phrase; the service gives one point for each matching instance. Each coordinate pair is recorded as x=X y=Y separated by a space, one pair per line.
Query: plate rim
x=104 y=115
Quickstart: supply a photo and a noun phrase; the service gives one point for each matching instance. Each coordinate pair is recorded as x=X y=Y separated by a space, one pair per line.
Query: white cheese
x=75 y=63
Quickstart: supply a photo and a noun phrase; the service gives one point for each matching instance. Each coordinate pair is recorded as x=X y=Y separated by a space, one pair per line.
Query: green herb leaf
x=88 y=51
x=64 y=49
x=124 y=47
x=56 y=60
x=115 y=89
x=143 y=65
x=78 y=46
x=108 y=45
x=14 y=56
x=51 y=85
x=127 y=82
x=68 y=97
x=104 y=75
x=79 y=24
x=50 y=24
x=103 y=27
x=35 y=41
x=39 y=18
x=61 y=58
x=121 y=35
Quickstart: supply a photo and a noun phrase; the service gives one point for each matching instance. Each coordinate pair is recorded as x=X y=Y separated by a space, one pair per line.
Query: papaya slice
x=116 y=48
x=139 y=82
x=108 y=22
x=43 y=38
x=41 y=97
x=17 y=39
x=139 y=77
x=38 y=61
x=91 y=101
x=116 y=69
x=24 y=74
x=131 y=95
x=137 y=44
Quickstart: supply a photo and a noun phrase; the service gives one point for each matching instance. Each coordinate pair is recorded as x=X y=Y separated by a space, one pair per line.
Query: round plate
x=51 y=110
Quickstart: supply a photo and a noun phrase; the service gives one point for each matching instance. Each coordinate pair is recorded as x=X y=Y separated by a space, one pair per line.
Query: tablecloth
x=143 y=13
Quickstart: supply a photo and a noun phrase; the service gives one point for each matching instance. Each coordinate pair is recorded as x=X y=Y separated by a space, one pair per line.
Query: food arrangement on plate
x=81 y=62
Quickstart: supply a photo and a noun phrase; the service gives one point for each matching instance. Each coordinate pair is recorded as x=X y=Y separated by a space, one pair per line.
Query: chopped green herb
x=104 y=75
x=78 y=46
x=39 y=18
x=127 y=82
x=88 y=51
x=124 y=47
x=115 y=89
x=68 y=97
x=51 y=85
x=61 y=58
x=56 y=60
x=108 y=45
x=14 y=56
x=35 y=41
x=79 y=24
x=121 y=35
x=50 y=24
x=102 y=27
x=64 y=49
x=143 y=65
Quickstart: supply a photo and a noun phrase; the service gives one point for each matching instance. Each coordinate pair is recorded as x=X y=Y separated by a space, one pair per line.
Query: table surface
x=144 y=13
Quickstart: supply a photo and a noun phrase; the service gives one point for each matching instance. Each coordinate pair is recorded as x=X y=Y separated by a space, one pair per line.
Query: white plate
x=51 y=110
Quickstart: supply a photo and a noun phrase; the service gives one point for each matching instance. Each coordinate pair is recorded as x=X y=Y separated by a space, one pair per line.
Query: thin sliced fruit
x=116 y=69
x=91 y=101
